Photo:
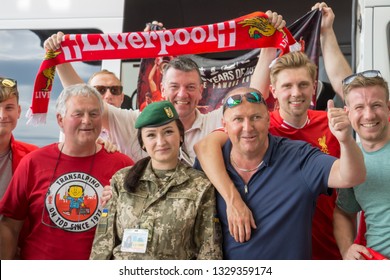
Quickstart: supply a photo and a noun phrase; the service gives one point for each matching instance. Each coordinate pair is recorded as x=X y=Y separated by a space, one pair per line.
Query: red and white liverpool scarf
x=246 y=32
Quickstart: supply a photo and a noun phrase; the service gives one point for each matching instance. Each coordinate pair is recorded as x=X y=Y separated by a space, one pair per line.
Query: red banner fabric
x=221 y=76
x=246 y=32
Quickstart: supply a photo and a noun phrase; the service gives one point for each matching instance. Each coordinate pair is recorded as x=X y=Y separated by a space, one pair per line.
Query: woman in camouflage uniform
x=160 y=207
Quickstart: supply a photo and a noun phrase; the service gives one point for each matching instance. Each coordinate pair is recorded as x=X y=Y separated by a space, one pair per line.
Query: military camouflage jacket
x=179 y=216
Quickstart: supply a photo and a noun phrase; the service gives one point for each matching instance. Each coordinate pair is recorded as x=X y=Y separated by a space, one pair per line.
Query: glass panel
x=21 y=55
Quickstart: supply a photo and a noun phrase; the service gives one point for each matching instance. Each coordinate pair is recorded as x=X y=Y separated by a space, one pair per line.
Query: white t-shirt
x=122 y=132
x=203 y=125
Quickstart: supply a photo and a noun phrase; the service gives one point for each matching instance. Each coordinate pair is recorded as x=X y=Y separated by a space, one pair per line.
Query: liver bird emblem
x=259 y=27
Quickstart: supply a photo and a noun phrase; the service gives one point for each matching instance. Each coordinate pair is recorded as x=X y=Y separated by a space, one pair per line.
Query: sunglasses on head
x=7 y=82
x=252 y=97
x=115 y=90
x=366 y=74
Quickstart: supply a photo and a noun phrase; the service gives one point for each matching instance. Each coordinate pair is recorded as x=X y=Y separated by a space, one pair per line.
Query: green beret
x=157 y=114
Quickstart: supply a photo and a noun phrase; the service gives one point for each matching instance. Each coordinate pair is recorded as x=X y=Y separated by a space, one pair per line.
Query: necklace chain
x=244 y=169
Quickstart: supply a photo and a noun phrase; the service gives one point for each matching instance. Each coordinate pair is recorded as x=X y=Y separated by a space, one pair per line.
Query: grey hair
x=76 y=90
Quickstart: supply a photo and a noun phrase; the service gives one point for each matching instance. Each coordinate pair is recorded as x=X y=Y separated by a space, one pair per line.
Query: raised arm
x=349 y=170
x=209 y=153
x=152 y=83
x=260 y=78
x=66 y=72
x=336 y=66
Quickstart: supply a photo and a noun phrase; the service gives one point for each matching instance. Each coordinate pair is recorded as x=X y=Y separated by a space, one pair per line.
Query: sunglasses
x=366 y=74
x=252 y=97
x=7 y=82
x=115 y=90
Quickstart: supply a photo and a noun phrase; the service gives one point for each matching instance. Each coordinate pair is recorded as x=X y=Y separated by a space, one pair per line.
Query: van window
x=21 y=54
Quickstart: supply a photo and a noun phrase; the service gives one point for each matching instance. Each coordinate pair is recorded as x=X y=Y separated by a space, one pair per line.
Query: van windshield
x=21 y=55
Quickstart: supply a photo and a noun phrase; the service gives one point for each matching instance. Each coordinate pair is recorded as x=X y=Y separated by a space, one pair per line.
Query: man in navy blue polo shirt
x=279 y=179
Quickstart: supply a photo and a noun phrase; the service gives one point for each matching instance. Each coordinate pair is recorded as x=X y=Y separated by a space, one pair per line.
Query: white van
x=372 y=40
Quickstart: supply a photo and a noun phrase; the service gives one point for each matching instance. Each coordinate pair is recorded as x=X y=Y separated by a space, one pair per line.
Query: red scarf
x=375 y=255
x=246 y=32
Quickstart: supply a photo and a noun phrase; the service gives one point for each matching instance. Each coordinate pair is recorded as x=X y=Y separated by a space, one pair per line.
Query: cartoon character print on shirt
x=72 y=202
x=76 y=197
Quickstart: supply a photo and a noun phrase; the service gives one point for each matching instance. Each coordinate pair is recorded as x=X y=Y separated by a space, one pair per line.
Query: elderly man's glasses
x=7 y=82
x=366 y=74
x=115 y=90
x=252 y=97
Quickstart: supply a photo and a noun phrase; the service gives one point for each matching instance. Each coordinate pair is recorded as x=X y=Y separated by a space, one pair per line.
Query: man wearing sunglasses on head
x=293 y=84
x=11 y=151
x=366 y=96
x=278 y=178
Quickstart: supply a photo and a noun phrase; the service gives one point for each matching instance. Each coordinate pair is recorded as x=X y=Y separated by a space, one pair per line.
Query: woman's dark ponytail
x=135 y=173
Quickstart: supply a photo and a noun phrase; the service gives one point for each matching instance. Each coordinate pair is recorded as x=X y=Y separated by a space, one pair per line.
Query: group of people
x=275 y=197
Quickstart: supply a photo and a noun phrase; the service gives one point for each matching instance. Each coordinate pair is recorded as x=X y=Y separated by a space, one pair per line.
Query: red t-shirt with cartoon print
x=59 y=195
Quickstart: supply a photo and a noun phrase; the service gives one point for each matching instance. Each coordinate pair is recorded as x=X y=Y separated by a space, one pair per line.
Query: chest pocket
x=180 y=207
x=129 y=209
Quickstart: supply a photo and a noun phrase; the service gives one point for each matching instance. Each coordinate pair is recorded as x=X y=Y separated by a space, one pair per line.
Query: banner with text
x=221 y=76
x=246 y=32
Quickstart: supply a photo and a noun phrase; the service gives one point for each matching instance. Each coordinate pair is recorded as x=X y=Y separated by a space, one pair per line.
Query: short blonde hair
x=361 y=81
x=293 y=60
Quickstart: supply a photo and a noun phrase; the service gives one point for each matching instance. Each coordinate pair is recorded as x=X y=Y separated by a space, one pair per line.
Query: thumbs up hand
x=339 y=123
